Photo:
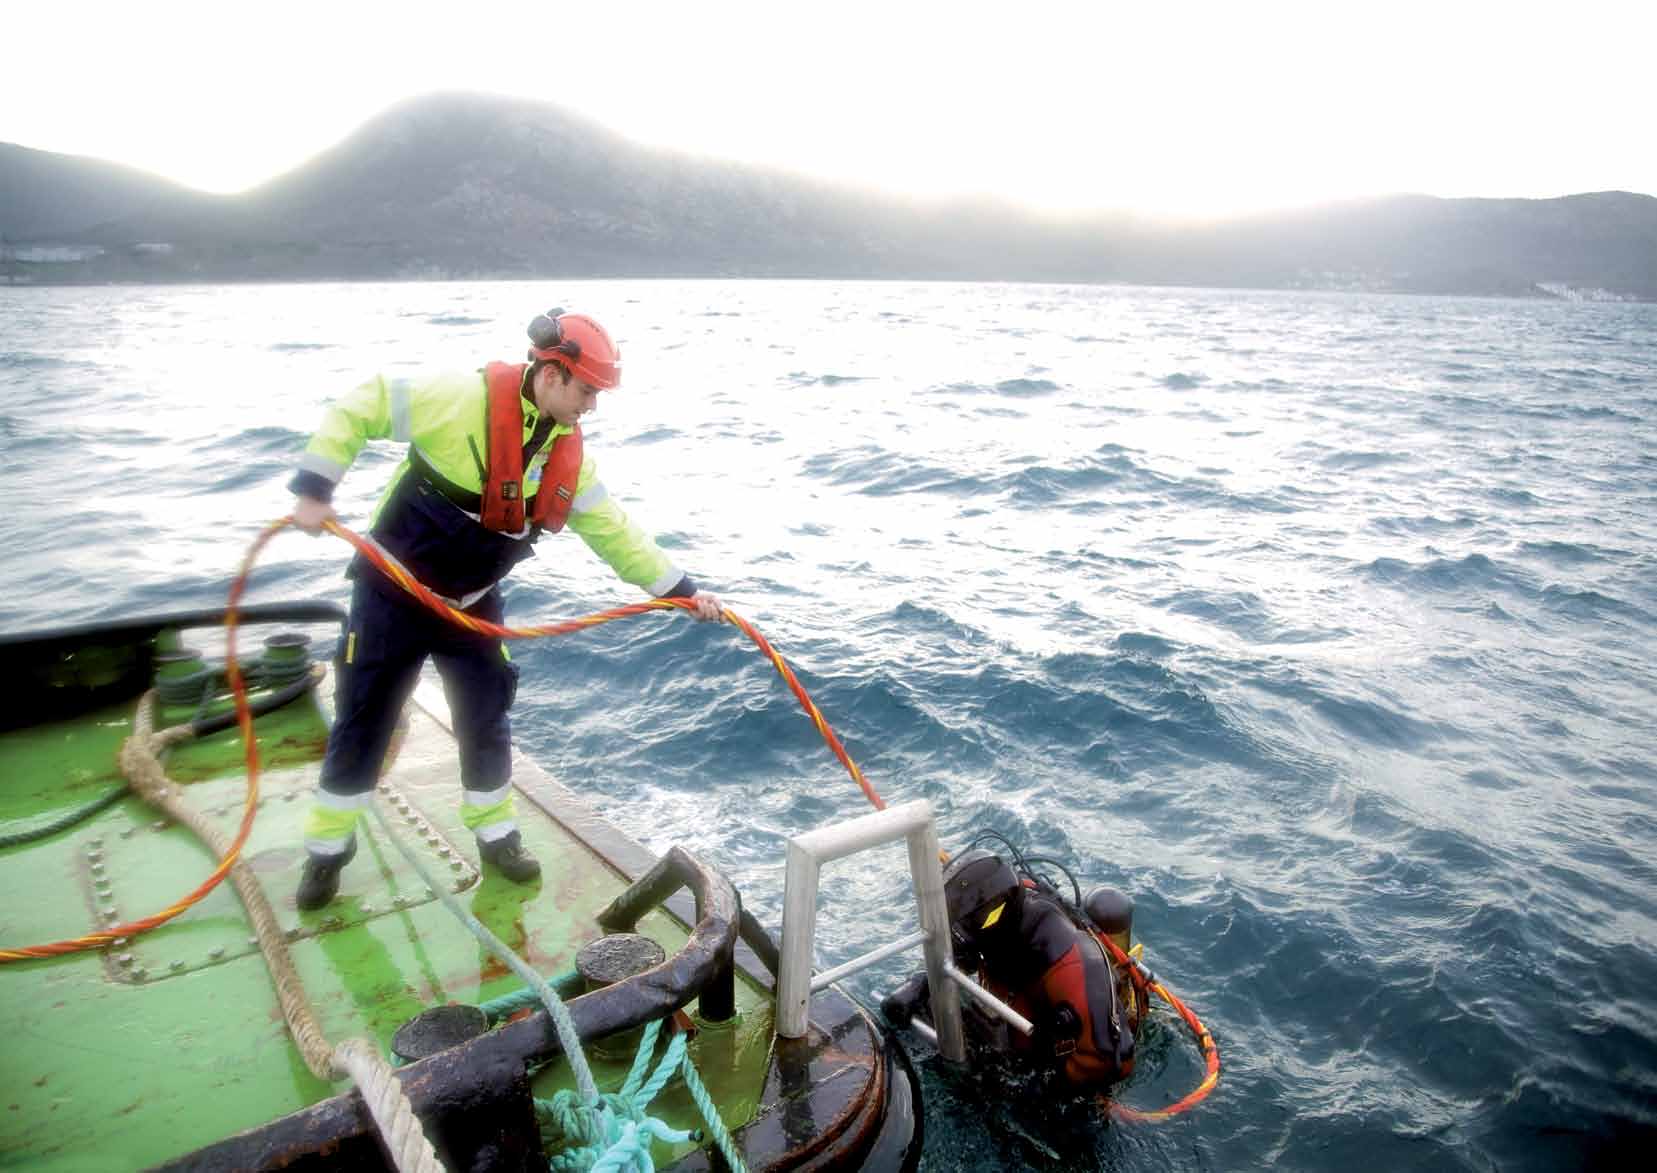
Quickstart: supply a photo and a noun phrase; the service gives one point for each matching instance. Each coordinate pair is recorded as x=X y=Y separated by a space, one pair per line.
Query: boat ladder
x=912 y=822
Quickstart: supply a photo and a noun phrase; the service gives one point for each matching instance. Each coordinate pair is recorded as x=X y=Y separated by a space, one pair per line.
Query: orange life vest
x=502 y=506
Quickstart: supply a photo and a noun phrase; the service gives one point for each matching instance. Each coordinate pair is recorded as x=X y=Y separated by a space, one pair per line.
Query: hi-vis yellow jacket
x=444 y=420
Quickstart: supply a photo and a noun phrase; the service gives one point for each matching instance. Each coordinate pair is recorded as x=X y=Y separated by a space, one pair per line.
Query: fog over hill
x=467 y=186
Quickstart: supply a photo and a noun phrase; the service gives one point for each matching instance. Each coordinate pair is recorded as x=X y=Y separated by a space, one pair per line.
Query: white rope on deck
x=358 y=1058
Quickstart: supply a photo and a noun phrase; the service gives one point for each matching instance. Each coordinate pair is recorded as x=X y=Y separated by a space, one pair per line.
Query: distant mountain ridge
x=469 y=186
x=51 y=197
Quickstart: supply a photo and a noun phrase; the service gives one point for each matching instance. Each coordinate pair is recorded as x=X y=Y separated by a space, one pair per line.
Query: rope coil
x=1148 y=983
x=606 y=1131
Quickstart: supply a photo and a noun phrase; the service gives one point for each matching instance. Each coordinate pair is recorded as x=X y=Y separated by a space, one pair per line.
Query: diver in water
x=1026 y=947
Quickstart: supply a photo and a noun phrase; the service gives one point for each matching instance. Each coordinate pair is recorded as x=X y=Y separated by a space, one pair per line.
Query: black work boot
x=508 y=857
x=320 y=880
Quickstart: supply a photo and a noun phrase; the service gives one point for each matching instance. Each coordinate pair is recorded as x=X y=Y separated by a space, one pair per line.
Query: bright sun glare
x=1208 y=110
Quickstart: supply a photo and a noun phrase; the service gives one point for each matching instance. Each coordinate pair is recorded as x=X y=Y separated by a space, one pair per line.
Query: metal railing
x=912 y=822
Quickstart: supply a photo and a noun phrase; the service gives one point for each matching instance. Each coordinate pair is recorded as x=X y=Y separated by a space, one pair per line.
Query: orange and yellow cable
x=399 y=574
x=1211 y=1054
x=244 y=719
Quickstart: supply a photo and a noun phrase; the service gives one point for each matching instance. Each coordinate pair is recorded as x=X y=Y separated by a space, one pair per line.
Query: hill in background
x=466 y=186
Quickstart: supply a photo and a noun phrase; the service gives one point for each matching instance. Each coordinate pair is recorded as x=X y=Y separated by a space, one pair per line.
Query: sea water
x=1321 y=624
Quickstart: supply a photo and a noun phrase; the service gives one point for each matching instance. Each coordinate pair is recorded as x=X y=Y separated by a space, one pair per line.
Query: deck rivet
x=177 y=967
x=98 y=842
x=127 y=833
x=159 y=825
x=139 y=975
x=124 y=960
x=253 y=942
x=216 y=952
x=368 y=910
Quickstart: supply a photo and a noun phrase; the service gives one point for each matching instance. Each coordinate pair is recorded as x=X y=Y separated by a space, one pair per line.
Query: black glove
x=903 y=1003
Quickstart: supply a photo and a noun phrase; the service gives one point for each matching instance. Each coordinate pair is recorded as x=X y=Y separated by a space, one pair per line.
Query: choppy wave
x=1321 y=624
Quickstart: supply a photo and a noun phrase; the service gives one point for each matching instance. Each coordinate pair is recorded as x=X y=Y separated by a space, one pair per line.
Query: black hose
x=199 y=728
x=1075 y=888
x=1025 y=867
x=207 y=726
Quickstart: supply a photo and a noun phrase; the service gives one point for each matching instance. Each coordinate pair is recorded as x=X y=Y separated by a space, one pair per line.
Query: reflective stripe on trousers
x=389 y=637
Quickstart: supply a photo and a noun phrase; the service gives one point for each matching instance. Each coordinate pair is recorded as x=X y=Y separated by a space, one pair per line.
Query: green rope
x=641 y=1061
x=498 y=1010
x=618 y=1135
x=568 y=1037
x=560 y=1125
x=65 y=821
x=710 y=1113
x=607 y=1133
x=664 y=1069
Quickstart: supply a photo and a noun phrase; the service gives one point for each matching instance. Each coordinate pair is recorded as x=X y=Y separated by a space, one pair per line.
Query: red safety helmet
x=579 y=345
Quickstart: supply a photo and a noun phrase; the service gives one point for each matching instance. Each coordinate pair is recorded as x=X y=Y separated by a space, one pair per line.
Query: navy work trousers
x=389 y=637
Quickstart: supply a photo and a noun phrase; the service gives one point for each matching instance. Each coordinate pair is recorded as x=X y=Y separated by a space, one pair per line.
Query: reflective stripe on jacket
x=444 y=419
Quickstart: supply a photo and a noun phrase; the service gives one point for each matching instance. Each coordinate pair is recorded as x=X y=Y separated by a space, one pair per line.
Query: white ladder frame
x=807 y=853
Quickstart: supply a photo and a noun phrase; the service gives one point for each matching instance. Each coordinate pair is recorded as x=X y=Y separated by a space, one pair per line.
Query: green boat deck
x=135 y=1054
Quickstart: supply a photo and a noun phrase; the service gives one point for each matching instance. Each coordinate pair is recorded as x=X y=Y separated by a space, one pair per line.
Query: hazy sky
x=1173 y=107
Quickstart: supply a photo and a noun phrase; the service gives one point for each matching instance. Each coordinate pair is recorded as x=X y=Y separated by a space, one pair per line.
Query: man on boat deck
x=459 y=525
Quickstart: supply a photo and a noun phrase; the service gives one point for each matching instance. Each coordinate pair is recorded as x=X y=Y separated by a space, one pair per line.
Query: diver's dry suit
x=1027 y=950
x=1058 y=976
